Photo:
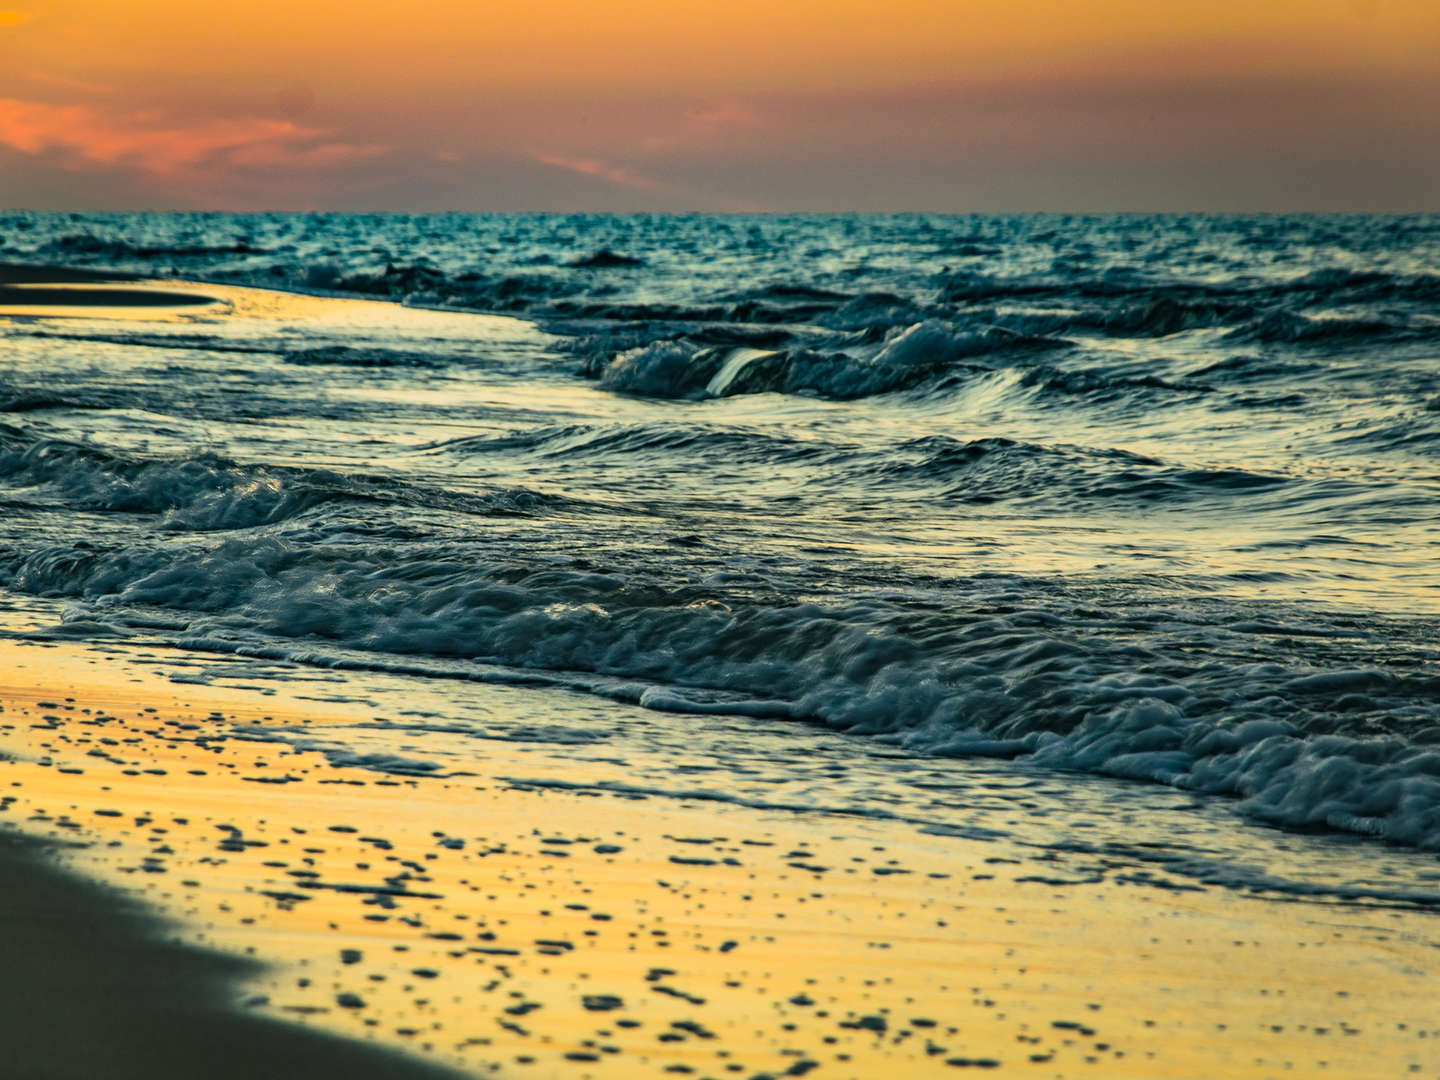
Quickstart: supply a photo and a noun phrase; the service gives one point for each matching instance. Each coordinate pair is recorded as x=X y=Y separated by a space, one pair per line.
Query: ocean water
x=1154 y=499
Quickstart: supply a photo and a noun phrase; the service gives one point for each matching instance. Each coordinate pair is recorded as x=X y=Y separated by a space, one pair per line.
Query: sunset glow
x=921 y=104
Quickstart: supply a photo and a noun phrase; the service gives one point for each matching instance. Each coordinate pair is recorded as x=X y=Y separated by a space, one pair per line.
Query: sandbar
x=26 y=289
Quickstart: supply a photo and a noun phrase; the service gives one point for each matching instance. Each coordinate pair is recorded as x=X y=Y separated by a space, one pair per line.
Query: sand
x=50 y=290
x=92 y=987
x=514 y=927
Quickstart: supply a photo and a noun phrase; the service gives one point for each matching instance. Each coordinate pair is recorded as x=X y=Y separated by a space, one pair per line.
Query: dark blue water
x=1149 y=497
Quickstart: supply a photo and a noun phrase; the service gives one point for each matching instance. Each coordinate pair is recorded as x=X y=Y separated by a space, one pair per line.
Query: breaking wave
x=1320 y=741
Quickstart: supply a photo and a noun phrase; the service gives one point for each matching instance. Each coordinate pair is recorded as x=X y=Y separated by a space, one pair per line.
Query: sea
x=1135 y=518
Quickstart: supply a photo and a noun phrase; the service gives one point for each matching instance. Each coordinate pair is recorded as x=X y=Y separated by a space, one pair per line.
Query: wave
x=1100 y=385
x=878 y=310
x=907 y=357
x=605 y=259
x=422 y=284
x=998 y=469
x=642 y=312
x=1366 y=286
x=19 y=401
x=1133 y=303
x=1333 y=286
x=935 y=469
x=1417 y=434
x=353 y=356
x=1166 y=315
x=670 y=443
x=1119 y=303
x=1242 y=368
x=205 y=492
x=1290 y=327
x=1314 y=736
x=90 y=246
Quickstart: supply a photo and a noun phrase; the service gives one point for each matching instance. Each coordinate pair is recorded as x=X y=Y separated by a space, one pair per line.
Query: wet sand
x=41 y=289
x=525 y=920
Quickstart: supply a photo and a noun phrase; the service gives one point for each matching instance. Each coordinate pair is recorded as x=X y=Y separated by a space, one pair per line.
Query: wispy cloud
x=86 y=136
x=609 y=171
x=51 y=82
x=623 y=176
x=707 y=123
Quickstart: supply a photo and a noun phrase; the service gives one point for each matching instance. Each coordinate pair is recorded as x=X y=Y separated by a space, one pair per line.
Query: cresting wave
x=902 y=358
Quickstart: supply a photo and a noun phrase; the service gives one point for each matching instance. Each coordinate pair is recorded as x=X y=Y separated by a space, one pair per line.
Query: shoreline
x=488 y=923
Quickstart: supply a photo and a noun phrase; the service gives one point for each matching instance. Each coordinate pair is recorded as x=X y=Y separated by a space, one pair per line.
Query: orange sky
x=763 y=104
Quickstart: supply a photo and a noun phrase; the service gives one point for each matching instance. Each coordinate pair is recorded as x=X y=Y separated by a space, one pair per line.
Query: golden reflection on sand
x=491 y=923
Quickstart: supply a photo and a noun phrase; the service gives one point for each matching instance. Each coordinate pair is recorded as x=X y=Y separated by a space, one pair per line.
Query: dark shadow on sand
x=34 y=293
x=90 y=989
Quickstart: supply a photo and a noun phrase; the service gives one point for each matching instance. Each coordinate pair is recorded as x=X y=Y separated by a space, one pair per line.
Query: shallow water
x=1148 y=498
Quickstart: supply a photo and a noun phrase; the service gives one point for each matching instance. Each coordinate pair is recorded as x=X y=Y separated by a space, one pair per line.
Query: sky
x=740 y=105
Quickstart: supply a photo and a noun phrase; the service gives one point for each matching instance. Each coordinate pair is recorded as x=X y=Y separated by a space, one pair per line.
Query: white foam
x=1004 y=686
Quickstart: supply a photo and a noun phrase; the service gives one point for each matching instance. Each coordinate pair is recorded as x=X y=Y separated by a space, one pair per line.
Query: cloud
x=619 y=175
x=83 y=136
x=724 y=116
x=706 y=124
x=672 y=196
x=13 y=18
x=51 y=81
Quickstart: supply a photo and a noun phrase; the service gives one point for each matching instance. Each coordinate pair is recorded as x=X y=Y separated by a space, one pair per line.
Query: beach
x=751 y=540
x=524 y=920
x=389 y=690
